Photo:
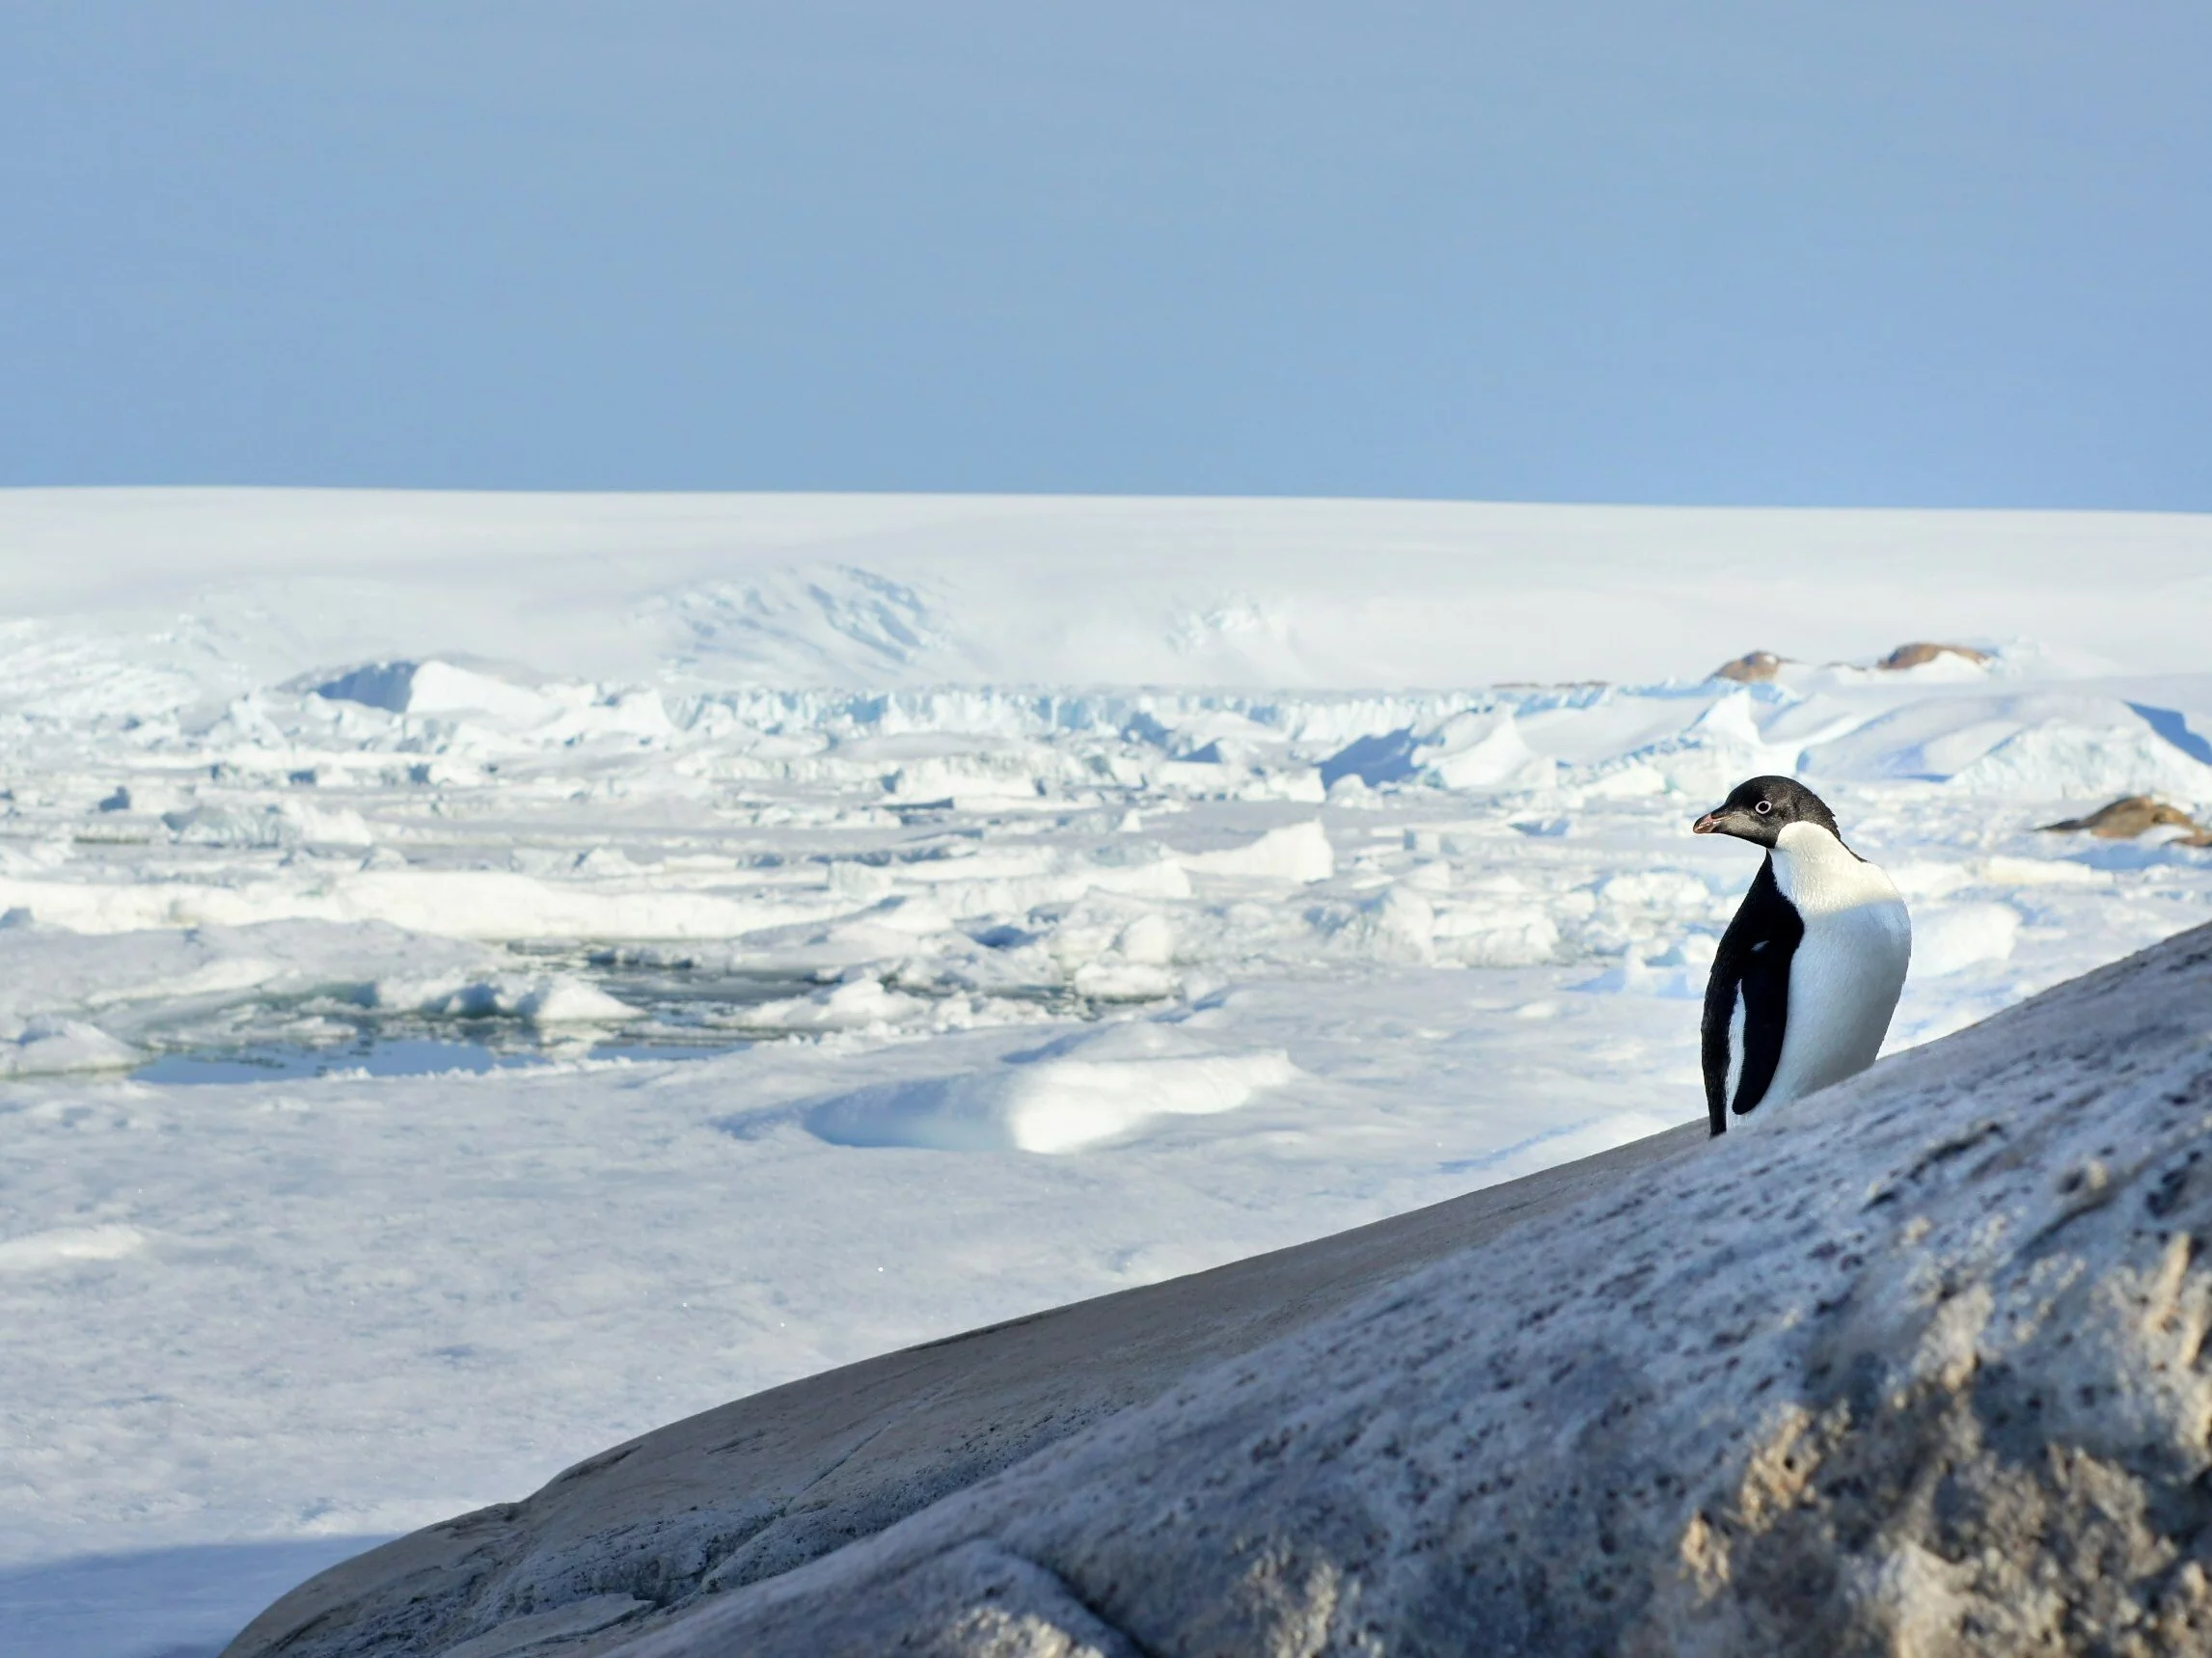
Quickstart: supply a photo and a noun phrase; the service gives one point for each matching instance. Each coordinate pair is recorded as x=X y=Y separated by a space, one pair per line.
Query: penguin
x=1808 y=972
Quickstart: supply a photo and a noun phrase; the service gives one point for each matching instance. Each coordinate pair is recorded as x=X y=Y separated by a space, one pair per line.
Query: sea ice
x=1074 y=1092
x=1948 y=938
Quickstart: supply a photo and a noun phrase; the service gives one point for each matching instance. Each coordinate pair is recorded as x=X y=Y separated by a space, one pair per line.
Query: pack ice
x=802 y=927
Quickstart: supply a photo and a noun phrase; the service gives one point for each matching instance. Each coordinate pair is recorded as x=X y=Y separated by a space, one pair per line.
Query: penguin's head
x=1758 y=809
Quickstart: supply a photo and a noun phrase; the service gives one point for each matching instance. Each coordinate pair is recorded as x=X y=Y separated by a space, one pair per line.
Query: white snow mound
x=1483 y=750
x=1074 y=1092
x=1960 y=935
x=34 y=1251
x=552 y=1000
x=861 y=1005
x=1297 y=852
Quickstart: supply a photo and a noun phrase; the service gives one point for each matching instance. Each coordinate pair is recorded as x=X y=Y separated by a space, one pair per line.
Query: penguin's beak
x=1709 y=823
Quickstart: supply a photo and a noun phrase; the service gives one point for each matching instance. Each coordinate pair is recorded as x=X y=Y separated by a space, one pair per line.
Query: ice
x=288 y=823
x=37 y=1249
x=1480 y=750
x=1495 y=934
x=438 y=687
x=542 y=1001
x=1045 y=896
x=1384 y=757
x=862 y=1005
x=2048 y=745
x=46 y=1046
x=1077 y=1092
x=490 y=905
x=1947 y=938
x=2064 y=758
x=1299 y=852
x=1399 y=925
x=145 y=986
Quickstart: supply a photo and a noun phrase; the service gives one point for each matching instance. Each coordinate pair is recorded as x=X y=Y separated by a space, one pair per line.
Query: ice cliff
x=1918 y=1370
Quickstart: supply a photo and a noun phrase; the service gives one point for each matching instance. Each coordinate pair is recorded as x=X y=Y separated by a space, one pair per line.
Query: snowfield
x=484 y=976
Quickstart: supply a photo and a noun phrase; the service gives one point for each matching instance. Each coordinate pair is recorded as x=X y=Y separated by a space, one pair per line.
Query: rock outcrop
x=1753 y=667
x=1918 y=1368
x=1758 y=666
x=2132 y=815
x=1922 y=651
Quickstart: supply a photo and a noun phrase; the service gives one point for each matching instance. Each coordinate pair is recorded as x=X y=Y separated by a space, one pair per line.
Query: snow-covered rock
x=1920 y=1370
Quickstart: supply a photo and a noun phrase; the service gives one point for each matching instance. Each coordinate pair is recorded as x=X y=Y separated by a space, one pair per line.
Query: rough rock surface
x=1753 y=667
x=750 y=1489
x=1921 y=651
x=2132 y=815
x=1917 y=1369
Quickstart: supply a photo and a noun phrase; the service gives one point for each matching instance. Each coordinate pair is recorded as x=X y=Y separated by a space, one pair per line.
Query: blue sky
x=1775 y=252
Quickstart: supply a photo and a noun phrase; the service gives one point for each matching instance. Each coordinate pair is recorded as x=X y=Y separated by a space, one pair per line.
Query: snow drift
x=1073 y=1093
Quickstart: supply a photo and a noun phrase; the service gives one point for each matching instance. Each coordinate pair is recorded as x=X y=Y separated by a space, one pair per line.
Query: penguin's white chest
x=1848 y=969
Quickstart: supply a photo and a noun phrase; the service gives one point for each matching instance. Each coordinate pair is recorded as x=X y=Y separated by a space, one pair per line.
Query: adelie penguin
x=1809 y=971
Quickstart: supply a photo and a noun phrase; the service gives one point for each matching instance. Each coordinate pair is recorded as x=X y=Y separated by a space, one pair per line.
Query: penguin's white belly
x=1850 y=967
x=1844 y=981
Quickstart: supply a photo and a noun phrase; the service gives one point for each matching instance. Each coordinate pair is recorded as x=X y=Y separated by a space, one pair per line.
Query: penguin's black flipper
x=1750 y=981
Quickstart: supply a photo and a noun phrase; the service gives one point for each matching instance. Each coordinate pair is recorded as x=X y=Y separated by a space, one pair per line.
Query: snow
x=29 y=1253
x=913 y=913
x=46 y=1045
x=1295 y=852
x=1947 y=938
x=1082 y=1091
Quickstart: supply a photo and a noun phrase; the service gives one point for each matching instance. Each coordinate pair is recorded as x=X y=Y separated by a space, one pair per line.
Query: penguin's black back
x=1753 y=964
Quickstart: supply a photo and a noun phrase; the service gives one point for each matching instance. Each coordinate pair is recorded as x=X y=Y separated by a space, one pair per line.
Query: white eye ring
x=1763 y=807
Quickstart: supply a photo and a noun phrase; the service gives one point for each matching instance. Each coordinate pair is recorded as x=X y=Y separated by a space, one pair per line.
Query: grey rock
x=750 y=1489
x=1918 y=1368
x=1753 y=667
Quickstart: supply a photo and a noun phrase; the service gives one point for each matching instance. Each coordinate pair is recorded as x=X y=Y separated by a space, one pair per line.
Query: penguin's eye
x=1763 y=807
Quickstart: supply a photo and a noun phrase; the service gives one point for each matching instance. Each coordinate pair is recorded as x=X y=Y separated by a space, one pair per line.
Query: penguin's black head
x=1758 y=809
